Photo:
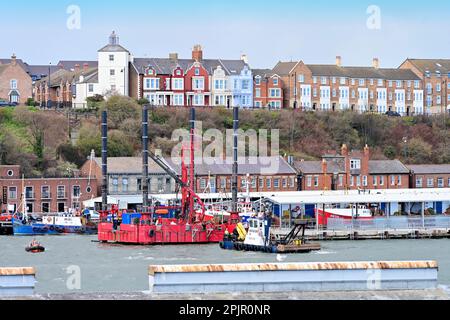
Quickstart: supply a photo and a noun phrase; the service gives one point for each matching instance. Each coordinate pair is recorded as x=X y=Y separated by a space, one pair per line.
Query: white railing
x=391 y=223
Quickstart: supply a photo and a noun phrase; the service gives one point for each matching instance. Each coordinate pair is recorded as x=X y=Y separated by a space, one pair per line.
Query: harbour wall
x=291 y=277
x=17 y=282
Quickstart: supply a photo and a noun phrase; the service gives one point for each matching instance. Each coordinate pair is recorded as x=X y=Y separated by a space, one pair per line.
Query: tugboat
x=35 y=247
x=258 y=237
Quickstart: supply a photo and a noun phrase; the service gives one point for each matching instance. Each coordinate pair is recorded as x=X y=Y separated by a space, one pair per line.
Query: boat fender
x=151 y=233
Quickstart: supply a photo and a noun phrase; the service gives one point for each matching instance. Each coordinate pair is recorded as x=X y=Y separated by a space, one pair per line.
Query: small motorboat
x=35 y=247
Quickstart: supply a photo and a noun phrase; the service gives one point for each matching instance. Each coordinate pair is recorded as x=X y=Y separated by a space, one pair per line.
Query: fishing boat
x=258 y=237
x=360 y=212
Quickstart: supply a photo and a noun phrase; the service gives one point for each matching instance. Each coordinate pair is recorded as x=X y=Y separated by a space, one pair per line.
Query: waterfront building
x=430 y=175
x=435 y=75
x=45 y=195
x=361 y=89
x=352 y=170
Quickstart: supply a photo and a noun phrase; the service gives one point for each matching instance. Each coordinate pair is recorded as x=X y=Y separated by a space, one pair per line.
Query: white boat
x=352 y=212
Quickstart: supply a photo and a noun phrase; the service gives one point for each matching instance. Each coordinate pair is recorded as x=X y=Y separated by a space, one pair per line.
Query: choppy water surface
x=115 y=268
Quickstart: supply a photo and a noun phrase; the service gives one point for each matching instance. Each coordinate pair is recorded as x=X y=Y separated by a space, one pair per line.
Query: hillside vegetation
x=39 y=140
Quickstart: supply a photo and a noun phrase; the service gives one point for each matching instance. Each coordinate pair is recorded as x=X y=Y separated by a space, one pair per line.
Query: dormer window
x=427 y=73
x=178 y=73
x=150 y=72
x=438 y=74
x=258 y=80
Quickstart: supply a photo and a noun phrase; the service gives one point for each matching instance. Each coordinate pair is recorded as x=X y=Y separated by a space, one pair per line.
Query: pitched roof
x=432 y=65
x=387 y=167
x=63 y=75
x=70 y=64
x=41 y=70
x=129 y=165
x=362 y=72
x=264 y=73
x=113 y=48
x=430 y=168
x=375 y=167
x=249 y=165
x=283 y=68
x=166 y=65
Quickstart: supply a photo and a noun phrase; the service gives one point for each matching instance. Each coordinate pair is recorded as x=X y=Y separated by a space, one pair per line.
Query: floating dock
x=17 y=282
x=291 y=277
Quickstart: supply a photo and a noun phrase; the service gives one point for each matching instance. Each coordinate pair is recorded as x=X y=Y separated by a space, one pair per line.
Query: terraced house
x=268 y=89
x=361 y=89
x=435 y=74
x=195 y=82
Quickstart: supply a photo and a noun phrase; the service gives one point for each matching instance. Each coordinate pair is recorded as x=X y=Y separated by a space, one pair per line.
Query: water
x=116 y=268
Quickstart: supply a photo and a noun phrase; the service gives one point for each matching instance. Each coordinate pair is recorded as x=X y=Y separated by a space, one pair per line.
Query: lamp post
x=49 y=100
x=405 y=148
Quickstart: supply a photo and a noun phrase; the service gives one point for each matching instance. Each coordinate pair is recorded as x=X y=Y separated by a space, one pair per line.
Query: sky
x=316 y=31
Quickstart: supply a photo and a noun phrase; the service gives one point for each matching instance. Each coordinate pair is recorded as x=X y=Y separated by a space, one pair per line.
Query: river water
x=117 y=268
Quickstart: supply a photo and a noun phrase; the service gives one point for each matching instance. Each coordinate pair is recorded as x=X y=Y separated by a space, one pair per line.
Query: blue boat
x=52 y=226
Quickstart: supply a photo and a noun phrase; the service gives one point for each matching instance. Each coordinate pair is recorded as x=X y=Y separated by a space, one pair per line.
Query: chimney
x=324 y=166
x=244 y=58
x=339 y=61
x=197 y=53
x=13 y=60
x=173 y=57
x=344 y=150
x=85 y=66
x=77 y=67
x=366 y=151
x=376 y=63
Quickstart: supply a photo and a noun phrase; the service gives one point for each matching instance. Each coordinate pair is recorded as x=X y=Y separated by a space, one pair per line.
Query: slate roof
x=133 y=165
x=166 y=65
x=249 y=165
x=113 y=48
x=283 y=68
x=129 y=165
x=430 y=168
x=375 y=167
x=362 y=72
x=432 y=65
x=63 y=75
x=70 y=64
x=263 y=73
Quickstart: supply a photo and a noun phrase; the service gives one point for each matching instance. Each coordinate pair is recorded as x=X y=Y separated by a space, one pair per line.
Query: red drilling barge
x=153 y=228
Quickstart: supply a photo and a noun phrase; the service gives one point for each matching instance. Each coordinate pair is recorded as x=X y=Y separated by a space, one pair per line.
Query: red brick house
x=44 y=195
x=267 y=89
x=15 y=82
x=430 y=175
x=352 y=171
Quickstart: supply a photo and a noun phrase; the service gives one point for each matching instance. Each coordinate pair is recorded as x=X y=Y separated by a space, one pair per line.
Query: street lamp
x=405 y=141
x=49 y=101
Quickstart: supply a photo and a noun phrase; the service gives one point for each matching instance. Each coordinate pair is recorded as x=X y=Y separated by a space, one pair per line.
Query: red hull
x=162 y=234
x=324 y=216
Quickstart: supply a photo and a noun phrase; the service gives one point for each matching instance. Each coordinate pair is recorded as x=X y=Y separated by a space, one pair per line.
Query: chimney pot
x=376 y=63
x=173 y=56
x=197 y=53
x=77 y=67
x=339 y=61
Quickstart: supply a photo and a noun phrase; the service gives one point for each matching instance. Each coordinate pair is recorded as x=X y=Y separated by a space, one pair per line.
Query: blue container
x=128 y=218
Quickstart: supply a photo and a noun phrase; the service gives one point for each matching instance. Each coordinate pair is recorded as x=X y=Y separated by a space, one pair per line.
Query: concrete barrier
x=17 y=282
x=285 y=277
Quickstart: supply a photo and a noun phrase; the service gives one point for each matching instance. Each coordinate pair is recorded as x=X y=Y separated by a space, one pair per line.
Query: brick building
x=125 y=175
x=430 y=175
x=15 y=82
x=435 y=75
x=44 y=195
x=362 y=89
x=352 y=170
x=268 y=89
